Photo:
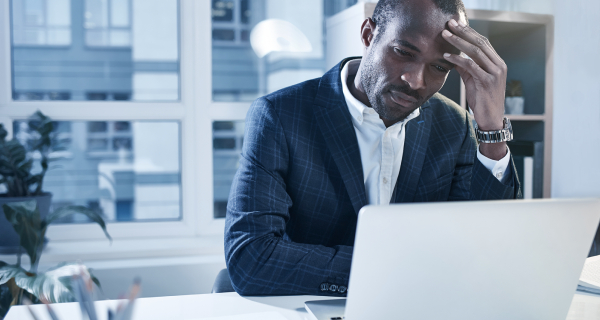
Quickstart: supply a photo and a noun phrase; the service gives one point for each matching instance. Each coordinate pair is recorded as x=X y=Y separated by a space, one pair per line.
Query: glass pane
x=59 y=36
x=125 y=170
x=227 y=146
x=34 y=12
x=41 y=22
x=96 y=14
x=223 y=34
x=222 y=10
x=245 y=13
x=135 y=64
x=97 y=37
x=59 y=13
x=97 y=126
x=97 y=144
x=289 y=45
x=245 y=35
x=119 y=10
x=34 y=36
x=122 y=125
x=120 y=38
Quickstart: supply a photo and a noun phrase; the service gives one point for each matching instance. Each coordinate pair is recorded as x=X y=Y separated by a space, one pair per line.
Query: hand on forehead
x=421 y=23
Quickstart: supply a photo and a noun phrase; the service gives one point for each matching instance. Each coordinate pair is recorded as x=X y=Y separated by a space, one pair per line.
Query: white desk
x=230 y=306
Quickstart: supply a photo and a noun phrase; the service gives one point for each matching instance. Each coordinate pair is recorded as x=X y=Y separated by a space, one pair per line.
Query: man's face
x=404 y=66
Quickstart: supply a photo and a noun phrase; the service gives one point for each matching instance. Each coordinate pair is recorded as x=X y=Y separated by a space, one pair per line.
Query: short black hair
x=386 y=10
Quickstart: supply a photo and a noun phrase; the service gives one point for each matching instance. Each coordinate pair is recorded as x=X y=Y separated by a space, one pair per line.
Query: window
x=152 y=122
x=108 y=138
x=290 y=48
x=289 y=45
x=231 y=22
x=228 y=137
x=108 y=23
x=124 y=170
x=120 y=120
x=41 y=22
x=121 y=55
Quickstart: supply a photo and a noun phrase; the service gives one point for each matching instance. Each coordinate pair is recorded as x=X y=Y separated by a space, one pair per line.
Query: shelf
x=526 y=117
x=512 y=17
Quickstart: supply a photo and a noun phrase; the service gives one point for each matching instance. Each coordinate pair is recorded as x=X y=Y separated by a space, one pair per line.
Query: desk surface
x=231 y=306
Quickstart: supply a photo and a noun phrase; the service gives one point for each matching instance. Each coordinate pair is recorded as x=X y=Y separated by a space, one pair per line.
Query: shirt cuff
x=498 y=168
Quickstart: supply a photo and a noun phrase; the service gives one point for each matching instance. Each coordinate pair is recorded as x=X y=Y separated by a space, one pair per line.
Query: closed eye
x=403 y=52
x=441 y=69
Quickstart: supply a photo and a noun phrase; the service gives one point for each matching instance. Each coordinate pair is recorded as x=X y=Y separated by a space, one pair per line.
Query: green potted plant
x=514 y=102
x=20 y=174
x=53 y=285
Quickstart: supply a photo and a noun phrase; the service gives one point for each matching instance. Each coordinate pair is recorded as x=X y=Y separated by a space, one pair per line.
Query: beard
x=371 y=79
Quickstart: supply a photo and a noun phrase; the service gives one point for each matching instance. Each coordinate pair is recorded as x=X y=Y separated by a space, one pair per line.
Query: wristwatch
x=506 y=134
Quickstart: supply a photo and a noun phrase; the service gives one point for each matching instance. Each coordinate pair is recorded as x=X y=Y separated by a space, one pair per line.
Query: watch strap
x=495 y=136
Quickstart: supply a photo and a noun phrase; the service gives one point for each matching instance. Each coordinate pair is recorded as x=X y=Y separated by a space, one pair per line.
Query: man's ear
x=367 y=32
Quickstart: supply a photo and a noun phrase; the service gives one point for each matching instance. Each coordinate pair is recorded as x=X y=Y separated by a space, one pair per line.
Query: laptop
x=466 y=260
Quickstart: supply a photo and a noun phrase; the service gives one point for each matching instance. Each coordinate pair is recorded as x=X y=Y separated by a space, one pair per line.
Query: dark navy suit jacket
x=292 y=210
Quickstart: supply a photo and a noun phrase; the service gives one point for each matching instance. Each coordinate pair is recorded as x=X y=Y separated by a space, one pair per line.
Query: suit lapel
x=415 y=149
x=335 y=122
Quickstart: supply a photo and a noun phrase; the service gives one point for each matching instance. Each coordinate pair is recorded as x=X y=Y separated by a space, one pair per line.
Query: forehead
x=421 y=22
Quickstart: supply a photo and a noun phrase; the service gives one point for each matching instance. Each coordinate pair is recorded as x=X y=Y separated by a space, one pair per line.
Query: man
x=370 y=131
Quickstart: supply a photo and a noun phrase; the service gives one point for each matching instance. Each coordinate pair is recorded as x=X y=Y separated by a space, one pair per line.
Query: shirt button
x=384 y=180
x=333 y=288
x=324 y=286
x=499 y=174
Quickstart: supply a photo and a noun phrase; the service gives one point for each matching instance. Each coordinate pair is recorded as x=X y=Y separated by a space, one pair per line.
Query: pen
x=27 y=302
x=125 y=310
x=50 y=311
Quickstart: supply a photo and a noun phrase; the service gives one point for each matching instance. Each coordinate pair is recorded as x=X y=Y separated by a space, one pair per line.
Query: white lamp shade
x=278 y=35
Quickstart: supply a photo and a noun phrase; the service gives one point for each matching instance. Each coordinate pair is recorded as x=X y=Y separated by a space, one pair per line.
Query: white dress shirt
x=381 y=148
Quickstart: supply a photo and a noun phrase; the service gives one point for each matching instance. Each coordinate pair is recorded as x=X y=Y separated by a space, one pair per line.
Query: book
x=528 y=157
x=589 y=281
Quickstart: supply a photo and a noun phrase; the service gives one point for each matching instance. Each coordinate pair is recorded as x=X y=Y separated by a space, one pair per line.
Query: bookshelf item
x=514 y=101
x=523 y=40
x=529 y=161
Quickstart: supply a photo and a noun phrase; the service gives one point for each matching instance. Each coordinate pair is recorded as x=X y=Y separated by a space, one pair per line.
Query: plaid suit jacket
x=293 y=205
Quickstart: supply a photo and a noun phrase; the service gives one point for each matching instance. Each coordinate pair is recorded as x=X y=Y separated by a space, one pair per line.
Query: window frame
x=45 y=27
x=236 y=25
x=195 y=112
x=110 y=27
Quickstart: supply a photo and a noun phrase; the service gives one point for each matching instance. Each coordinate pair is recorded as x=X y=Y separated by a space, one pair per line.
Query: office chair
x=222 y=283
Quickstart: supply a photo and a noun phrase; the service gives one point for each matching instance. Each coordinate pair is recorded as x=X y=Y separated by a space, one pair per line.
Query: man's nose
x=415 y=78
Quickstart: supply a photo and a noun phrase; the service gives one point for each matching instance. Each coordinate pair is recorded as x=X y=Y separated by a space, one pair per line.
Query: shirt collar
x=357 y=109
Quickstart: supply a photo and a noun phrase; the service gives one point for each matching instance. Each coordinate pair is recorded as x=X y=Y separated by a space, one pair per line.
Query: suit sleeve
x=473 y=181
x=260 y=257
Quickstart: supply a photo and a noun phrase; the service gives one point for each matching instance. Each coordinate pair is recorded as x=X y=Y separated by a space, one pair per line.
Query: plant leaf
x=24 y=168
x=44 y=127
x=69 y=210
x=8 y=272
x=94 y=279
x=3 y=133
x=54 y=284
x=25 y=219
x=16 y=153
x=34 y=179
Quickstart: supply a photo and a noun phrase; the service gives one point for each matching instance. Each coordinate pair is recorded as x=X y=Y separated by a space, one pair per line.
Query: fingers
x=466 y=65
x=473 y=51
x=473 y=37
